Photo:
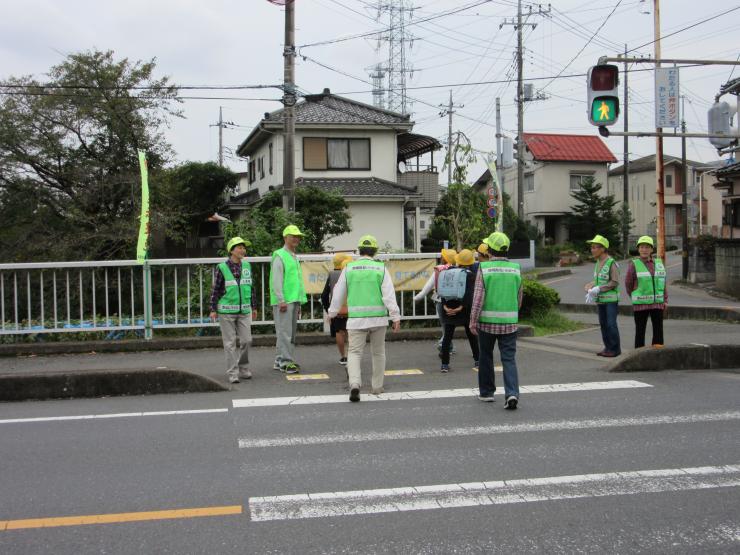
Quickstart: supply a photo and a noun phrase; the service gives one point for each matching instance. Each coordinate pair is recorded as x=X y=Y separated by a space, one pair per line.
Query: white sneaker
x=233 y=379
x=485 y=399
x=245 y=374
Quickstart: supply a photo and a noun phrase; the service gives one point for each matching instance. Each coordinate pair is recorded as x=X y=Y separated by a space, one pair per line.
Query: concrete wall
x=727 y=266
x=384 y=220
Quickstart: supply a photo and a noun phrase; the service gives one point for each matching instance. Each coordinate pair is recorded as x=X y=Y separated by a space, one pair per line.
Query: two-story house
x=728 y=183
x=354 y=149
x=554 y=166
x=642 y=196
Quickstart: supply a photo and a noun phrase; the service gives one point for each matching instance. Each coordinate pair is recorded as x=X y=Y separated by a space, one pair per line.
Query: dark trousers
x=507 y=347
x=449 y=331
x=641 y=318
x=609 y=330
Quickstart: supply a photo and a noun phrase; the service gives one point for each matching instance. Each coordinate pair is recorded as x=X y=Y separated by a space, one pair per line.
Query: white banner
x=666 y=97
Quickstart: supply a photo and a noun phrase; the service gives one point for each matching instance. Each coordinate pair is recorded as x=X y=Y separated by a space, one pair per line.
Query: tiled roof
x=329 y=108
x=731 y=170
x=567 y=148
x=359 y=186
x=647 y=163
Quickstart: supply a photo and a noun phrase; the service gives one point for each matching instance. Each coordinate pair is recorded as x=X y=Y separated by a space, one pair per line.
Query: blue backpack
x=451 y=284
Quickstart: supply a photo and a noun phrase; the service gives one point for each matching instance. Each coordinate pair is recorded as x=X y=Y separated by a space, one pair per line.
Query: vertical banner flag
x=495 y=197
x=666 y=97
x=143 y=244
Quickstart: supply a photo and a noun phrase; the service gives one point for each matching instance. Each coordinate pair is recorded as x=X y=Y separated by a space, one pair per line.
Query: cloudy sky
x=229 y=43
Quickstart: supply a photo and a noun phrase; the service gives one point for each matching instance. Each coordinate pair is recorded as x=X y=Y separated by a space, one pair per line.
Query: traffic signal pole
x=289 y=100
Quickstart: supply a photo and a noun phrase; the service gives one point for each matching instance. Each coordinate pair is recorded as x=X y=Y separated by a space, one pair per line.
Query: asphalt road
x=571 y=287
x=591 y=463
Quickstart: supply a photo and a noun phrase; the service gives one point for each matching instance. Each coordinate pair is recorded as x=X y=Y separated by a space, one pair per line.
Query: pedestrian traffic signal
x=603 y=95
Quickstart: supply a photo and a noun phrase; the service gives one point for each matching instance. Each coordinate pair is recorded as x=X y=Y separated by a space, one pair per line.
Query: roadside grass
x=551 y=321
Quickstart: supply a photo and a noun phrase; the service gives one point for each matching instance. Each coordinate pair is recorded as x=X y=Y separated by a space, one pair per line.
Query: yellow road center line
x=495 y=368
x=410 y=372
x=303 y=377
x=116 y=518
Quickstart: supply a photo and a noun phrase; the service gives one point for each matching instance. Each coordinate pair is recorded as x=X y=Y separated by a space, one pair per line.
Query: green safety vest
x=601 y=277
x=650 y=288
x=293 y=290
x=501 y=281
x=364 y=288
x=238 y=296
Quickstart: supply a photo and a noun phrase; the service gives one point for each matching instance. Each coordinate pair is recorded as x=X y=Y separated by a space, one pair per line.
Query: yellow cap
x=367 y=241
x=600 y=240
x=292 y=230
x=339 y=258
x=449 y=255
x=482 y=248
x=498 y=241
x=645 y=240
x=345 y=262
x=465 y=258
x=234 y=241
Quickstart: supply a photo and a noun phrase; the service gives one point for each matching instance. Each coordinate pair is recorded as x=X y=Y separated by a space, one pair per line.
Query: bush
x=537 y=298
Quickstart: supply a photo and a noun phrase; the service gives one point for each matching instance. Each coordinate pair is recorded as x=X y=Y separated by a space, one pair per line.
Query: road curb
x=678 y=357
x=213 y=342
x=102 y=383
x=674 y=312
x=553 y=274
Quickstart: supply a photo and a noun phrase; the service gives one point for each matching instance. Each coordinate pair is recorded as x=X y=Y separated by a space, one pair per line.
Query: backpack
x=451 y=284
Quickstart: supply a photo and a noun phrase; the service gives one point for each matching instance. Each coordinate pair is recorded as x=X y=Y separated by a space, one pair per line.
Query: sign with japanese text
x=407 y=275
x=666 y=97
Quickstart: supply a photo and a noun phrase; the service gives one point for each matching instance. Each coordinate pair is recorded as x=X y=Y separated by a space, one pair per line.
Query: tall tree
x=593 y=214
x=69 y=145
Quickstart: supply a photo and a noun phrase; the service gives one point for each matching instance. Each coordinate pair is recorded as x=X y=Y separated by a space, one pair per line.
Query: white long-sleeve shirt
x=428 y=286
x=339 y=298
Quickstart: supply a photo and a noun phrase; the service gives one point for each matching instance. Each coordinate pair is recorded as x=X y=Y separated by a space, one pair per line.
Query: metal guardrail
x=118 y=296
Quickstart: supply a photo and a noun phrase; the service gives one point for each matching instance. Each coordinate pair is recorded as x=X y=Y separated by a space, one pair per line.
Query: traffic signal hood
x=603 y=95
x=719 y=118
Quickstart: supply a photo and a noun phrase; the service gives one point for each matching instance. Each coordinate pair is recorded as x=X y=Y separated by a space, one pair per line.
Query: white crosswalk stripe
x=434 y=394
x=442 y=496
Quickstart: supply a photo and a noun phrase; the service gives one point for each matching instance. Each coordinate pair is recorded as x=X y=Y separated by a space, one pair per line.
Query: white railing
x=116 y=296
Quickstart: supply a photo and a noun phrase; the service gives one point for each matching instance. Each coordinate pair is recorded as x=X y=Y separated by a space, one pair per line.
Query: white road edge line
x=433 y=394
x=426 y=433
x=108 y=416
x=443 y=496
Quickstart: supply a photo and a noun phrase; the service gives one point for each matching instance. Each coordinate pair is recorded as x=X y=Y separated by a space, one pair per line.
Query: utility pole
x=626 y=165
x=684 y=193
x=221 y=136
x=520 y=100
x=659 y=146
x=499 y=150
x=449 y=109
x=289 y=100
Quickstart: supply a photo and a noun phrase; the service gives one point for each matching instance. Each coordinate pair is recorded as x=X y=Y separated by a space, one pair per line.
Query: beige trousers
x=356 y=348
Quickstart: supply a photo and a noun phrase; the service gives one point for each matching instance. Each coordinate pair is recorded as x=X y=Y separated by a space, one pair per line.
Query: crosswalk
x=321 y=446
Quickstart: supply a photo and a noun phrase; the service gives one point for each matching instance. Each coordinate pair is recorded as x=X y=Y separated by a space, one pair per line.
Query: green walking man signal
x=603 y=96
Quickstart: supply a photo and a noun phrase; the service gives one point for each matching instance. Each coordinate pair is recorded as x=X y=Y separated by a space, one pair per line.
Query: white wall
x=384 y=220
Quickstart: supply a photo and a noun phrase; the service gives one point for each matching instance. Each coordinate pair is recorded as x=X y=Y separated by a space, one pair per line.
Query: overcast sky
x=225 y=42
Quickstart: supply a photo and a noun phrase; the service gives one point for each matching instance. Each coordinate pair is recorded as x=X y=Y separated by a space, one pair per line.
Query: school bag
x=451 y=284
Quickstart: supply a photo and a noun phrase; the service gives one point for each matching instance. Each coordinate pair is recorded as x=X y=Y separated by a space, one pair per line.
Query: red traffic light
x=604 y=77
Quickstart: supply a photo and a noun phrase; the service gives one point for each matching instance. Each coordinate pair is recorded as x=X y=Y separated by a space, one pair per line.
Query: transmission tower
x=378 y=75
x=397 y=14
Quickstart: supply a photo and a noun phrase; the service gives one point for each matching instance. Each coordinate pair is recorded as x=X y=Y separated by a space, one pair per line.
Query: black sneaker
x=511 y=402
x=354 y=393
x=343 y=361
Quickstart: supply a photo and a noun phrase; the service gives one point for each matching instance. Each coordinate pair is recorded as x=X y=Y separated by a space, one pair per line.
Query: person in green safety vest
x=365 y=286
x=494 y=315
x=604 y=290
x=287 y=294
x=233 y=305
x=645 y=283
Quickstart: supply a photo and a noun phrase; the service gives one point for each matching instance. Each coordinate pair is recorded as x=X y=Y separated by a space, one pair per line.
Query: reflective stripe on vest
x=293 y=290
x=237 y=298
x=601 y=277
x=501 y=281
x=650 y=289
x=364 y=288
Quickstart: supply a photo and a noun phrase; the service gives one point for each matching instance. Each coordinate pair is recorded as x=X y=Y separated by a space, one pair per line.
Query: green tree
x=184 y=196
x=70 y=146
x=593 y=214
x=320 y=214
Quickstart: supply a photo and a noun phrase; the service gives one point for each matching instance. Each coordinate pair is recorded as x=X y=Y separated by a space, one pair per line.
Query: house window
x=577 y=179
x=270 y=157
x=529 y=182
x=336 y=154
x=262 y=167
x=669 y=181
x=252 y=171
x=422 y=224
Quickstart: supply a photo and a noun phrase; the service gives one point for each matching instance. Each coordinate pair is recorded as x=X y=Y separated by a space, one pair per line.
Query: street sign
x=491 y=202
x=491 y=212
x=666 y=97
